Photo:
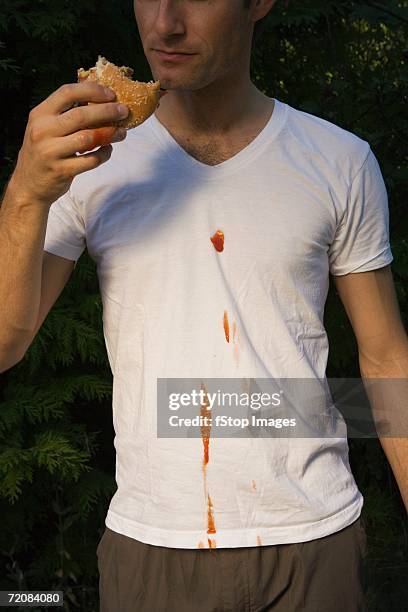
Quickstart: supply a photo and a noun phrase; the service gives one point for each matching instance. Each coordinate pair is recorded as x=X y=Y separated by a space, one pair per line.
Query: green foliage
x=343 y=60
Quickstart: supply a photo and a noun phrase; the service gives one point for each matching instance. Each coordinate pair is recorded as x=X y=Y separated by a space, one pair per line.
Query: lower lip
x=173 y=57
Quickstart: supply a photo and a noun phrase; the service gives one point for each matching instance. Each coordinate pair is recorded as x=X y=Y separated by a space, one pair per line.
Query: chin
x=176 y=84
x=175 y=78
x=187 y=82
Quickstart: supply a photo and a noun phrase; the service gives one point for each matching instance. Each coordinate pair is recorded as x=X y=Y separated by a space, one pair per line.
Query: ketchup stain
x=205 y=412
x=226 y=325
x=200 y=545
x=218 y=240
x=205 y=435
x=236 y=340
x=99 y=137
x=210 y=517
x=211 y=543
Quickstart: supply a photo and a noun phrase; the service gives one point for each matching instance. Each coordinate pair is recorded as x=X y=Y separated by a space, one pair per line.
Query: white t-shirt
x=303 y=199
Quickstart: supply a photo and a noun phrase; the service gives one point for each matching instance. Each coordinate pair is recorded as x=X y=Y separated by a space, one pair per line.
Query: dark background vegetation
x=342 y=60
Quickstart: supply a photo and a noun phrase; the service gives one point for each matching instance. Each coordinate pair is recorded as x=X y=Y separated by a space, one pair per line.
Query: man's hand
x=57 y=129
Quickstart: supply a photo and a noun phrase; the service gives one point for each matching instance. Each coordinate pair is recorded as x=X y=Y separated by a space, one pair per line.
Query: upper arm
x=56 y=271
x=371 y=304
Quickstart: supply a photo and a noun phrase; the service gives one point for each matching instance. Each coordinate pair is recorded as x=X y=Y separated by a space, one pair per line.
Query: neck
x=217 y=109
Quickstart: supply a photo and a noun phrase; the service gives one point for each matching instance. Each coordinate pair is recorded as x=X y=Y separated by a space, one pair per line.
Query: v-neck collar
x=180 y=156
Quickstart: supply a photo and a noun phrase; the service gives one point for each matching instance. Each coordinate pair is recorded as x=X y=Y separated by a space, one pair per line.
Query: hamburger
x=141 y=98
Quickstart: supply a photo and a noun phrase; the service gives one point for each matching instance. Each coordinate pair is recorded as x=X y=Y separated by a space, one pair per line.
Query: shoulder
x=327 y=143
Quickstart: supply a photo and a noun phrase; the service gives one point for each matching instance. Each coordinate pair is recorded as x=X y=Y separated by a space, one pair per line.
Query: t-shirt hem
x=224 y=538
x=63 y=251
x=382 y=259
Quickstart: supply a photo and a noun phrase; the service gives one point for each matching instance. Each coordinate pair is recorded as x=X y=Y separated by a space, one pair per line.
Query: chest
x=213 y=151
x=162 y=229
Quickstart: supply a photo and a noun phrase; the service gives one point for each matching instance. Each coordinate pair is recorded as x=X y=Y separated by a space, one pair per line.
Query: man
x=214 y=228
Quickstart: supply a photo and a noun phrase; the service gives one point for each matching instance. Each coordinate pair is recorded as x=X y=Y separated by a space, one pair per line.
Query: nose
x=170 y=18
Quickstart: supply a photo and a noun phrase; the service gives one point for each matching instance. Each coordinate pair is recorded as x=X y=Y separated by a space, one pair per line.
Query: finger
x=86 y=140
x=68 y=94
x=85 y=117
x=89 y=161
x=77 y=164
x=100 y=137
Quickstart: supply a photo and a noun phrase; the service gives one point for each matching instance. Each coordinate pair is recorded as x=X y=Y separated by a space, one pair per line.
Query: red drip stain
x=100 y=137
x=206 y=449
x=236 y=340
x=234 y=330
x=218 y=240
x=258 y=540
x=210 y=517
x=254 y=485
x=226 y=326
x=205 y=413
x=204 y=468
x=200 y=545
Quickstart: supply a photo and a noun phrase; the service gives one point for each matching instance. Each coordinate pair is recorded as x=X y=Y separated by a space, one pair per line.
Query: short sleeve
x=65 y=233
x=361 y=242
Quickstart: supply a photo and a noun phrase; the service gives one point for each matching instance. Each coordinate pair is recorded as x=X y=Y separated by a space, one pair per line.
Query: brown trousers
x=323 y=575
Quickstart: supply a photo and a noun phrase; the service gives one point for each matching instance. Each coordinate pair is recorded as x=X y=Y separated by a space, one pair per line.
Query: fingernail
x=120 y=135
x=123 y=110
x=109 y=93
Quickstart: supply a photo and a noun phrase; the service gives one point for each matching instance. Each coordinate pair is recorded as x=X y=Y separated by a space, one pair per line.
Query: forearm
x=23 y=225
x=388 y=396
x=396 y=451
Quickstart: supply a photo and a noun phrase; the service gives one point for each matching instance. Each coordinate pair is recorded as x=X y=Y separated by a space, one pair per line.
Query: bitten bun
x=141 y=98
